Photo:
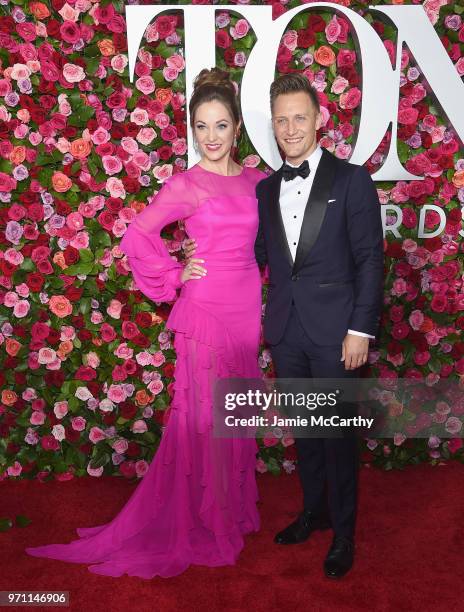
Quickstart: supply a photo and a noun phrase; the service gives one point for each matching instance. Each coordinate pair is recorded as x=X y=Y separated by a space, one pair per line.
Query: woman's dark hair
x=214 y=84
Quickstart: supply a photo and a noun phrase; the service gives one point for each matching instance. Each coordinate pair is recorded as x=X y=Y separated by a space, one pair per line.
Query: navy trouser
x=328 y=468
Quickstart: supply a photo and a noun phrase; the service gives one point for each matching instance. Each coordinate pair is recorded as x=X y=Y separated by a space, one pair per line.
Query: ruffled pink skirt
x=198 y=497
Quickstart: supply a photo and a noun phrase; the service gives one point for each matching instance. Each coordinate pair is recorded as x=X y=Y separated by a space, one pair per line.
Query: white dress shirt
x=294 y=196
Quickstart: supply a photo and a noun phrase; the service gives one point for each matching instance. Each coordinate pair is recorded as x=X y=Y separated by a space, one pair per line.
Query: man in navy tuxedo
x=320 y=233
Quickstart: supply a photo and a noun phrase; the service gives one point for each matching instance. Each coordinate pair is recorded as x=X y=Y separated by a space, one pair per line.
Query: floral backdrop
x=86 y=364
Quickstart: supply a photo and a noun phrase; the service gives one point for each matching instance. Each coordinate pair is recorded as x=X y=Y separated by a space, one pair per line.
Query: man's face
x=295 y=121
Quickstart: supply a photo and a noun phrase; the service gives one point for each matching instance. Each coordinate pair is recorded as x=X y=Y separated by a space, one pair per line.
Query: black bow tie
x=290 y=172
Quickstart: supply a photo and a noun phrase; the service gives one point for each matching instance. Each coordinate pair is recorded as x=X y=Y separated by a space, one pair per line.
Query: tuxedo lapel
x=276 y=215
x=315 y=207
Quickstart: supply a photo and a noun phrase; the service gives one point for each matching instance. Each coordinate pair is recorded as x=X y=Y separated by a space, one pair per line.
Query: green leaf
x=5 y=524
x=403 y=151
x=22 y=521
x=80 y=268
x=86 y=255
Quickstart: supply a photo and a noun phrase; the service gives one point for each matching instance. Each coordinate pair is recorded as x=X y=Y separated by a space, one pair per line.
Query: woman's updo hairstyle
x=214 y=84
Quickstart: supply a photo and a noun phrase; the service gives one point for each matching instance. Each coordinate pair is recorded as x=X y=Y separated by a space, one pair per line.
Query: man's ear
x=318 y=121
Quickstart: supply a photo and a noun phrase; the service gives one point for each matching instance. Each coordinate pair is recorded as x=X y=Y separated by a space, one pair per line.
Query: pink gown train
x=198 y=497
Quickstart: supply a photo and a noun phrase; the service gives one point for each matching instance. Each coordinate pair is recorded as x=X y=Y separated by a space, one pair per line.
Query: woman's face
x=214 y=130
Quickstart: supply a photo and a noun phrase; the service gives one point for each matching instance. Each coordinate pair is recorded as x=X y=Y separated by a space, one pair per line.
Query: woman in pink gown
x=198 y=497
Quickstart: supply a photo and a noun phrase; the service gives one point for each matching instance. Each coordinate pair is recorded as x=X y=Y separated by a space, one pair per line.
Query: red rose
x=143 y=319
x=438 y=303
x=133 y=449
x=394 y=249
x=131 y=184
x=223 y=40
x=277 y=10
x=127 y=469
x=396 y=313
x=416 y=189
x=120 y=41
x=127 y=410
x=168 y=370
x=345 y=57
x=316 y=23
x=400 y=330
x=165 y=25
x=116 y=100
x=306 y=38
x=49 y=443
x=408 y=115
x=409 y=218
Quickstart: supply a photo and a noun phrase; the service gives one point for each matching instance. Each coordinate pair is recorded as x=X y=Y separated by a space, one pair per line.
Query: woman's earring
x=235 y=141
x=195 y=146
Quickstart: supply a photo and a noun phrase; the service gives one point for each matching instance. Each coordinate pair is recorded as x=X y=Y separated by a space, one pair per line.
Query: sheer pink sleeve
x=156 y=273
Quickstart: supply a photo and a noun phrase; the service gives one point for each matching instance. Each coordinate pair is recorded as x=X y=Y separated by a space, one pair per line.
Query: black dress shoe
x=301 y=529
x=339 y=558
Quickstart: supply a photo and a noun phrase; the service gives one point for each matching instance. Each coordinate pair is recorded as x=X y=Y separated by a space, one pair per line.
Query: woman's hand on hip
x=193 y=270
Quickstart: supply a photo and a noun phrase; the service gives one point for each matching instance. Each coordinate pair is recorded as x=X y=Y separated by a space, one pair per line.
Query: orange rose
x=61 y=182
x=80 y=148
x=395 y=409
x=12 y=346
x=458 y=179
x=18 y=155
x=64 y=349
x=59 y=260
x=60 y=306
x=324 y=56
x=9 y=397
x=97 y=341
x=164 y=95
x=106 y=47
x=142 y=398
x=427 y=325
x=39 y=10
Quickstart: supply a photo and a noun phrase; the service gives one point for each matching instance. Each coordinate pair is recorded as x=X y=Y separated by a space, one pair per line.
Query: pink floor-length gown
x=198 y=497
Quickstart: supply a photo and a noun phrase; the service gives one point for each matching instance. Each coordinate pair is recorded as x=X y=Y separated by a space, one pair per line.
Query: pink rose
x=453 y=425
x=351 y=98
x=96 y=435
x=170 y=74
x=339 y=85
x=78 y=423
x=176 y=61
x=333 y=30
x=290 y=40
x=145 y=84
x=139 y=426
x=161 y=173
x=240 y=29
x=73 y=73
x=111 y=164
x=416 y=319
x=343 y=150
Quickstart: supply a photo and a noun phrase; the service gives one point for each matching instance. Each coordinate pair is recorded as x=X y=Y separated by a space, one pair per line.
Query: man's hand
x=354 y=351
x=190 y=246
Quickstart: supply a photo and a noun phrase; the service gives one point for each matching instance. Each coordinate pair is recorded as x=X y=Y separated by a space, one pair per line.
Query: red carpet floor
x=410 y=548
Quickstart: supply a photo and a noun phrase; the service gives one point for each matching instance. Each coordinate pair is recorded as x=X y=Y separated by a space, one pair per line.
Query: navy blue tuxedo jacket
x=336 y=280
